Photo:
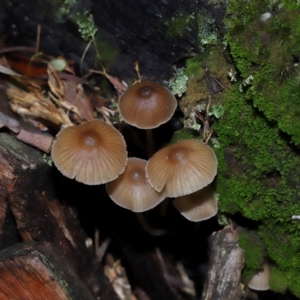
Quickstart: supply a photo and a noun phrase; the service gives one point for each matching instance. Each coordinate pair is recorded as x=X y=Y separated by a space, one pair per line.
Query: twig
x=118 y=85
x=84 y=53
x=137 y=70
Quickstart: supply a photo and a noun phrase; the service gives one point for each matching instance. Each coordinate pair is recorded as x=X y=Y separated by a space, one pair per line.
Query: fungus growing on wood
x=131 y=189
x=260 y=281
x=147 y=105
x=182 y=168
x=92 y=153
x=198 y=206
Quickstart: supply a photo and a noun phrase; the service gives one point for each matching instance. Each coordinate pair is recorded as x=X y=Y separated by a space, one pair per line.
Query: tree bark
x=38 y=271
x=226 y=262
x=31 y=212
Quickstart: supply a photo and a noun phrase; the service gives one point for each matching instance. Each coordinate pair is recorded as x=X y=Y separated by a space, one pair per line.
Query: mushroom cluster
x=95 y=153
x=132 y=190
x=184 y=170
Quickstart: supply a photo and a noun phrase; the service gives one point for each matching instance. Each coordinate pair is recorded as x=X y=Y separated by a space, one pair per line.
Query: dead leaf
x=75 y=95
x=38 y=140
x=118 y=85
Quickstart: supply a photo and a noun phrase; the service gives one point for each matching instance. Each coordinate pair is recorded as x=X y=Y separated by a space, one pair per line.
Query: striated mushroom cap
x=198 y=206
x=131 y=189
x=147 y=105
x=92 y=153
x=260 y=281
x=182 y=168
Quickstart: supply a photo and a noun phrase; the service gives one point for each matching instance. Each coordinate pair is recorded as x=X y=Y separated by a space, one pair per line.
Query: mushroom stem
x=147 y=227
x=150 y=142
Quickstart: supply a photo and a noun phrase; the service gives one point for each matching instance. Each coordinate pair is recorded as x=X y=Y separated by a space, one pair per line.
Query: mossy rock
x=258 y=177
x=278 y=281
x=254 y=249
x=263 y=38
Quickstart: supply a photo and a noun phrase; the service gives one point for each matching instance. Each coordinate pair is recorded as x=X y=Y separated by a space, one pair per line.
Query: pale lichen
x=179 y=83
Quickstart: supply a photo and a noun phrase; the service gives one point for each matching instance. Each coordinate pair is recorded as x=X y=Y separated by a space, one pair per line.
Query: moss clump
x=206 y=72
x=197 y=24
x=108 y=53
x=258 y=177
x=278 y=282
x=179 y=24
x=263 y=38
x=66 y=8
x=184 y=134
x=254 y=253
x=206 y=30
x=193 y=66
x=258 y=166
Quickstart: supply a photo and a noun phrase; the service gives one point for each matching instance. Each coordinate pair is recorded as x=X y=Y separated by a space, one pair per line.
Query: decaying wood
x=30 y=209
x=149 y=275
x=226 y=262
x=8 y=229
x=38 y=271
x=146 y=268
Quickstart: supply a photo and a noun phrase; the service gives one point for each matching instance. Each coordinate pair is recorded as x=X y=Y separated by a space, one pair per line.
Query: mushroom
x=182 y=168
x=260 y=281
x=131 y=189
x=198 y=206
x=147 y=105
x=92 y=153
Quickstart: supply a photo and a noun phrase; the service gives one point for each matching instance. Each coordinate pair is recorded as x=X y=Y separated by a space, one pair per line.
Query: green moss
x=254 y=253
x=258 y=177
x=206 y=30
x=278 y=282
x=200 y=24
x=258 y=174
x=66 y=8
x=179 y=24
x=108 y=53
x=269 y=51
x=193 y=66
x=86 y=25
x=208 y=74
x=184 y=134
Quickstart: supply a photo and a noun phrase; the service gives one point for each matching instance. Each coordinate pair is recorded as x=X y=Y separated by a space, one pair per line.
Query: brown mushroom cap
x=198 y=206
x=260 y=281
x=92 y=153
x=131 y=189
x=182 y=168
x=147 y=105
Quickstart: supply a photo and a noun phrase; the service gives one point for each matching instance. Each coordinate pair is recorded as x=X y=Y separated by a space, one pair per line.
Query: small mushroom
x=260 y=281
x=182 y=168
x=147 y=105
x=131 y=189
x=92 y=153
x=198 y=206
